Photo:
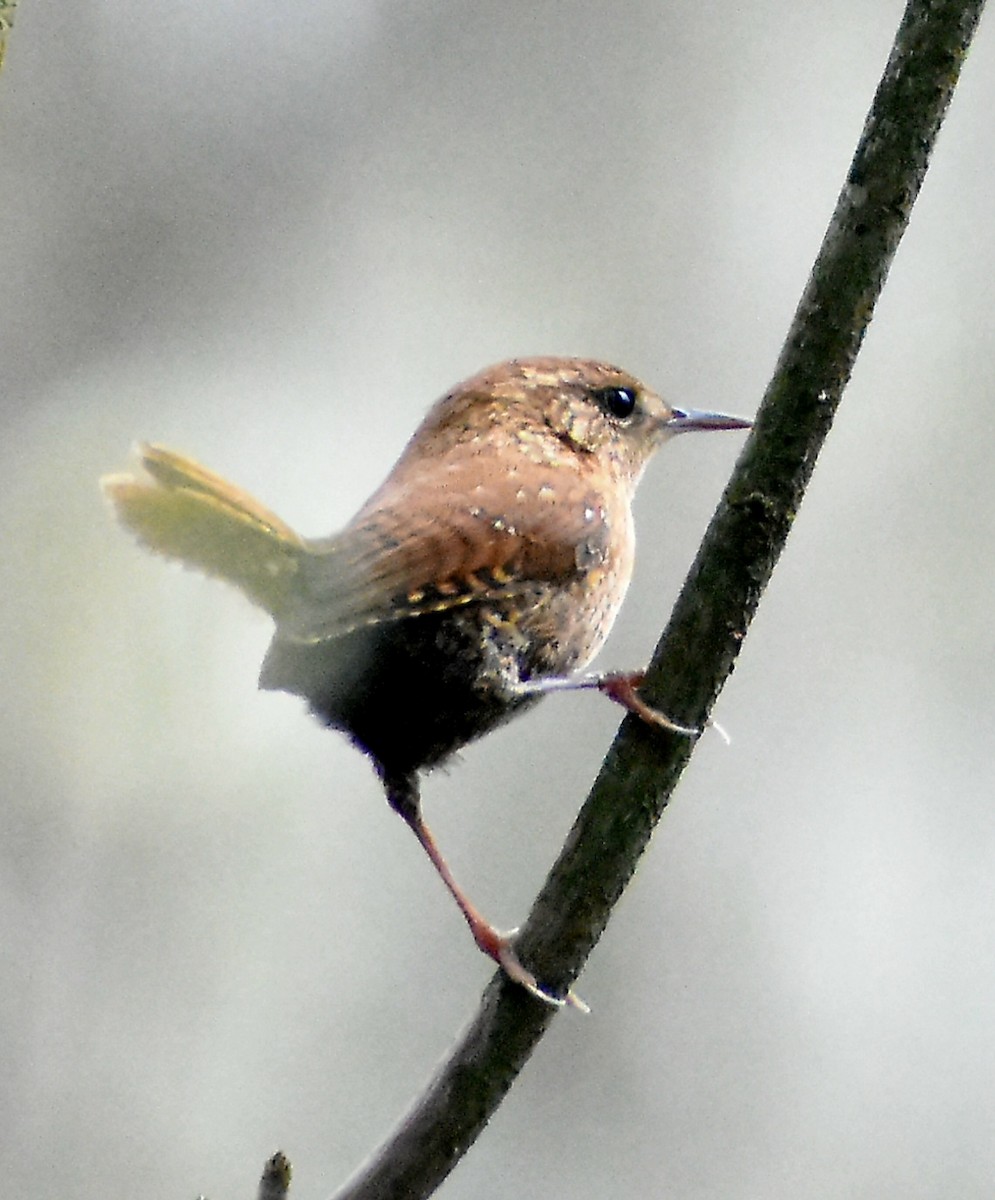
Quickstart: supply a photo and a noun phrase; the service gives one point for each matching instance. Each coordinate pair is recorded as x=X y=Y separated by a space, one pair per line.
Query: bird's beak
x=683 y=420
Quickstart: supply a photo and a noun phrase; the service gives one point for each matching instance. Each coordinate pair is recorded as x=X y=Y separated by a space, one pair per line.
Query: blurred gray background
x=270 y=235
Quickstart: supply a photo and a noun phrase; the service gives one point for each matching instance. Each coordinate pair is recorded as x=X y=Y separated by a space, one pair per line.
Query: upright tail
x=180 y=509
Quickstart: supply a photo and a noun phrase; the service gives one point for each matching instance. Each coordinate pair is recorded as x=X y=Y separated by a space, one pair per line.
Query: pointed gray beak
x=683 y=420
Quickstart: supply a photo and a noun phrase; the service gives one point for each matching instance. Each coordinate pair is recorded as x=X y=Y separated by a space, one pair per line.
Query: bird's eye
x=617 y=402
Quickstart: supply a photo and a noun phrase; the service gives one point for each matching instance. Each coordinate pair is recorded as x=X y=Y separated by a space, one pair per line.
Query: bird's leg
x=402 y=795
x=620 y=686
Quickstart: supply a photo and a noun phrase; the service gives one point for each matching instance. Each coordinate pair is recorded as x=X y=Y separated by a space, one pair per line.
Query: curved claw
x=622 y=689
x=509 y=962
x=719 y=729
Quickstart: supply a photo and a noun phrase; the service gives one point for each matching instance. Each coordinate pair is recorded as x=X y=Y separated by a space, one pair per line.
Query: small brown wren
x=486 y=570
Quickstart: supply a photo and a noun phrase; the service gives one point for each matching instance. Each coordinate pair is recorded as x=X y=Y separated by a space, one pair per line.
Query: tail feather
x=181 y=510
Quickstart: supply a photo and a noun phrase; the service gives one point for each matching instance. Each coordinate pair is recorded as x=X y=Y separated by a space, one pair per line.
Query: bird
x=485 y=572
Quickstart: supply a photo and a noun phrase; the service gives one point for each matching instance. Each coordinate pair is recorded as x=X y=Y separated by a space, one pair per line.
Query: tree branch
x=719 y=598
x=275 y=1181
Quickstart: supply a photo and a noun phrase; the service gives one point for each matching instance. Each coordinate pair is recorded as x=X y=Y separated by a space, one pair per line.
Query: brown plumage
x=488 y=568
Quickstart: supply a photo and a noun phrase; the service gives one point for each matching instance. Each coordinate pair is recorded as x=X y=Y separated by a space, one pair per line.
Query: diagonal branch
x=708 y=624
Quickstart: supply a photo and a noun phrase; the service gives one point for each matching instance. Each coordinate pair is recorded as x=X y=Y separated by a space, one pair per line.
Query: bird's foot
x=620 y=686
x=501 y=947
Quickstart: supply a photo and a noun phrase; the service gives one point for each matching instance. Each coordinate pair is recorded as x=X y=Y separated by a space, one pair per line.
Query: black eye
x=617 y=402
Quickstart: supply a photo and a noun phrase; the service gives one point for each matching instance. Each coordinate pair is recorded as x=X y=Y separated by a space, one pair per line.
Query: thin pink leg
x=495 y=945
